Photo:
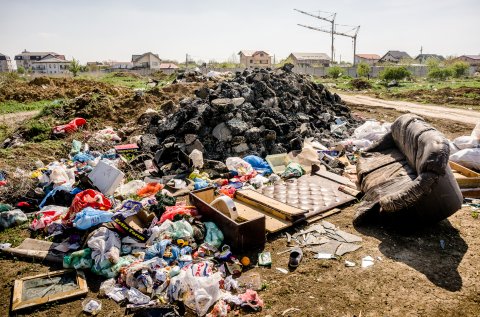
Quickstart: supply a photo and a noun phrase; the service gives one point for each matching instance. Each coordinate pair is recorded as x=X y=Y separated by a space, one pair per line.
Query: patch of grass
x=124 y=80
x=12 y=106
x=37 y=130
x=15 y=235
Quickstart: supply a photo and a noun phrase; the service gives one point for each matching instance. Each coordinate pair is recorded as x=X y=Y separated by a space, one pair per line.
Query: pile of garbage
x=465 y=150
x=258 y=112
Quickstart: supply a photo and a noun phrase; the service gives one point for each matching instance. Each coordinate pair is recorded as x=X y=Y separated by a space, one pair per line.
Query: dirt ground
x=412 y=275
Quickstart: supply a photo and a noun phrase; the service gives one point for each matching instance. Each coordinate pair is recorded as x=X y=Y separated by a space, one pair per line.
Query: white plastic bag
x=238 y=165
x=105 y=245
x=466 y=142
x=204 y=292
x=476 y=132
x=197 y=158
x=467 y=157
x=136 y=297
x=371 y=130
x=129 y=189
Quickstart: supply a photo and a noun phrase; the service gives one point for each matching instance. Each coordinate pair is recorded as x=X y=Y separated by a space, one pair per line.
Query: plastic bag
x=150 y=189
x=204 y=292
x=239 y=166
x=12 y=218
x=129 y=189
x=177 y=211
x=90 y=217
x=214 y=236
x=293 y=170
x=476 y=131
x=106 y=135
x=159 y=250
x=105 y=245
x=69 y=127
x=78 y=260
x=42 y=219
x=467 y=157
x=136 y=297
x=84 y=199
x=466 y=142
x=371 y=130
x=91 y=306
x=259 y=164
x=197 y=158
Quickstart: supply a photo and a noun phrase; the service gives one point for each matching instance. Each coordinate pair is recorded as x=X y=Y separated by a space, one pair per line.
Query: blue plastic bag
x=90 y=217
x=258 y=164
x=214 y=236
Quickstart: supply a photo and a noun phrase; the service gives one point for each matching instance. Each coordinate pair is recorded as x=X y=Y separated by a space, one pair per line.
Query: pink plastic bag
x=42 y=219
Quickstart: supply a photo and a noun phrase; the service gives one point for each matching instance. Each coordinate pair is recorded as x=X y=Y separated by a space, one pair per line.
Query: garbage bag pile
x=465 y=150
x=258 y=112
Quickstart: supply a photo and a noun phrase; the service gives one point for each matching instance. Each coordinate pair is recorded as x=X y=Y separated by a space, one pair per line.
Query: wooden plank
x=272 y=223
x=323 y=215
x=471 y=192
x=270 y=203
x=463 y=170
x=336 y=178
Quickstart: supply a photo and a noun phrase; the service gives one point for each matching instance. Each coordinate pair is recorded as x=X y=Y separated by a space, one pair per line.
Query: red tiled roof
x=368 y=56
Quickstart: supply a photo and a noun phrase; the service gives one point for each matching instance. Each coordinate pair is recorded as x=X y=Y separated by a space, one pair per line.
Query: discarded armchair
x=405 y=176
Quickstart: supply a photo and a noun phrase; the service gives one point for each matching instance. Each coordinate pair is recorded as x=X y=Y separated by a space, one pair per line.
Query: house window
x=261 y=54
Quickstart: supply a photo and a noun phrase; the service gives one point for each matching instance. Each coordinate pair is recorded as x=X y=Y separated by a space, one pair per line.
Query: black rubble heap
x=257 y=112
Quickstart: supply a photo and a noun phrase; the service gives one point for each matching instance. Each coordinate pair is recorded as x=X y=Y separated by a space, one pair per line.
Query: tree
x=363 y=69
x=335 y=72
x=395 y=73
x=21 y=70
x=459 y=69
x=75 y=67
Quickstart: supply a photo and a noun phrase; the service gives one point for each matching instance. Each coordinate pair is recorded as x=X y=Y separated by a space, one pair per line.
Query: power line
x=333 y=30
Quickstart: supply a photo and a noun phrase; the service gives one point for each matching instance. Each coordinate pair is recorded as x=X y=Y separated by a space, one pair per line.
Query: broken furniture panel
x=242 y=234
x=44 y=288
x=37 y=249
x=465 y=177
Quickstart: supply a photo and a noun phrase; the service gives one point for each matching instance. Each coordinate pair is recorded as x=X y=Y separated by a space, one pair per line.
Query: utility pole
x=353 y=37
x=332 y=21
x=186 y=61
x=421 y=50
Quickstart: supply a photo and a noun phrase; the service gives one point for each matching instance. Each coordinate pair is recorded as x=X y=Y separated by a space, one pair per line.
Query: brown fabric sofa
x=405 y=176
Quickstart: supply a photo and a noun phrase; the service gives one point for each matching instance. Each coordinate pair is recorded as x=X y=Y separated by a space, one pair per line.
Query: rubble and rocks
x=257 y=112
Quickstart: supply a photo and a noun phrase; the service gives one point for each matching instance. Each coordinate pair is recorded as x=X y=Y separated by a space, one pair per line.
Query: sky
x=98 y=30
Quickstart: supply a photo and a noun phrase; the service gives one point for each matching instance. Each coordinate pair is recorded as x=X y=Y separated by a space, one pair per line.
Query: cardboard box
x=134 y=225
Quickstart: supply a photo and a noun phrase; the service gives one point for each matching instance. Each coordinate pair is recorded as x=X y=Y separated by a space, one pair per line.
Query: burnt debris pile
x=257 y=112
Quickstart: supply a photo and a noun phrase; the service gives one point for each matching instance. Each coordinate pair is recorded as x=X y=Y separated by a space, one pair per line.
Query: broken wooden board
x=470 y=192
x=322 y=216
x=44 y=288
x=272 y=223
x=37 y=249
x=465 y=177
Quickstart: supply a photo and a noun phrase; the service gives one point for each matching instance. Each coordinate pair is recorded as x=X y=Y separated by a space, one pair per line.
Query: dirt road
x=17 y=117
x=434 y=111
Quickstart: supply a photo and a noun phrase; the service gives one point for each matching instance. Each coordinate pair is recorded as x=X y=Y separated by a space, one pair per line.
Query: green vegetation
x=120 y=79
x=21 y=70
x=459 y=69
x=75 y=67
x=335 y=72
x=439 y=73
x=363 y=69
x=12 y=106
x=37 y=130
x=395 y=73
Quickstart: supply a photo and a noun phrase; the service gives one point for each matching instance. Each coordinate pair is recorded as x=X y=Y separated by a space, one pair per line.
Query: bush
x=439 y=73
x=335 y=72
x=363 y=69
x=459 y=69
x=37 y=131
x=395 y=73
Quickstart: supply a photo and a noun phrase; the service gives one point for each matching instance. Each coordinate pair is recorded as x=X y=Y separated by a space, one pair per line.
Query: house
x=26 y=58
x=169 y=66
x=394 y=57
x=255 y=58
x=473 y=60
x=146 y=60
x=5 y=63
x=120 y=65
x=422 y=58
x=51 y=65
x=370 y=59
x=309 y=59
